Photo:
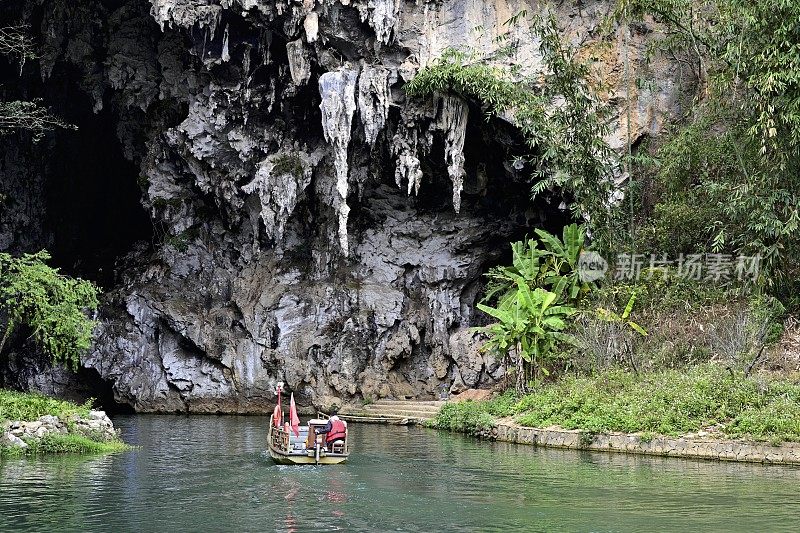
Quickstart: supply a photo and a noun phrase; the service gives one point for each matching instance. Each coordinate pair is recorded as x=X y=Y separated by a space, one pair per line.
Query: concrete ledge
x=695 y=448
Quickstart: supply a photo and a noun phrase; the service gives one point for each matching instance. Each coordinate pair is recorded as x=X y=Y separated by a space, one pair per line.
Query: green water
x=211 y=474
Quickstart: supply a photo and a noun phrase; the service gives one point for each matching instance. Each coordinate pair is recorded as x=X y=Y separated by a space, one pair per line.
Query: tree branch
x=29 y=116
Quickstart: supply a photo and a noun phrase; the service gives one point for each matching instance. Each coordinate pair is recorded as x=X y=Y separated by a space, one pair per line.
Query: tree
x=30 y=116
x=52 y=306
x=529 y=324
x=738 y=148
x=17 y=45
x=548 y=263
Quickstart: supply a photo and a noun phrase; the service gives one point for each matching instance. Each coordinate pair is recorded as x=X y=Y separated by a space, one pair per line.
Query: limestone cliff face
x=312 y=225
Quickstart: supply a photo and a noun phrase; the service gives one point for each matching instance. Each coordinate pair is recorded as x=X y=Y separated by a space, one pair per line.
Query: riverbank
x=32 y=424
x=689 y=446
x=697 y=412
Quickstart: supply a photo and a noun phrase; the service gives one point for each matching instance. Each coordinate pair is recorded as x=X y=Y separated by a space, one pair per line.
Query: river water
x=195 y=473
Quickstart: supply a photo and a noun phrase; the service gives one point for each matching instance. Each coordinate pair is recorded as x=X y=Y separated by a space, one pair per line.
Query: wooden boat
x=307 y=448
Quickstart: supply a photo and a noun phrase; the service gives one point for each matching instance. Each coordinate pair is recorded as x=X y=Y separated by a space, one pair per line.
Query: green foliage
x=609 y=315
x=31 y=116
x=69 y=443
x=52 y=306
x=548 y=263
x=63 y=444
x=27 y=406
x=529 y=323
x=161 y=202
x=17 y=44
x=563 y=123
x=473 y=416
x=536 y=295
x=738 y=151
x=182 y=240
x=466 y=417
x=770 y=311
x=664 y=291
x=668 y=402
x=290 y=164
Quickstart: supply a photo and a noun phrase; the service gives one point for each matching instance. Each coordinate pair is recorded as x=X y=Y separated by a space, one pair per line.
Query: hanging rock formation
x=338 y=106
x=452 y=121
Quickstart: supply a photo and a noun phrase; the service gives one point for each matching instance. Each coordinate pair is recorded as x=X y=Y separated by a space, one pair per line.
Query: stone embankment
x=690 y=446
x=97 y=426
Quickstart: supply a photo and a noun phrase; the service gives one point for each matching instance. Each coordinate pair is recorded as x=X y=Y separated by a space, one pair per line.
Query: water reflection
x=211 y=473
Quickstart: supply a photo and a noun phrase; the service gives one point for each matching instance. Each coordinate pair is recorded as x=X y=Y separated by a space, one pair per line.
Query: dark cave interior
x=93 y=199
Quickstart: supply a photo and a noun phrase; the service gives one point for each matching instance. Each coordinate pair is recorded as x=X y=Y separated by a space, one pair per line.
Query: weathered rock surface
x=97 y=426
x=312 y=224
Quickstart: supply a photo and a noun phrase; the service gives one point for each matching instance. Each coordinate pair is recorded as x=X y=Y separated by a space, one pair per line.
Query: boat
x=306 y=449
x=292 y=444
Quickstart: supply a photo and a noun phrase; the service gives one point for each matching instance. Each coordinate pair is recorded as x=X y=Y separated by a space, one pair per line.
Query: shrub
x=562 y=121
x=27 y=406
x=473 y=416
x=51 y=305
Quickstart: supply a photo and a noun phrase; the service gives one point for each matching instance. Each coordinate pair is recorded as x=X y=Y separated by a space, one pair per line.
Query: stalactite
x=279 y=181
x=226 y=56
x=264 y=43
x=373 y=101
x=338 y=106
x=383 y=16
x=407 y=165
x=410 y=141
x=299 y=65
x=182 y=14
x=161 y=11
x=452 y=121
x=311 y=26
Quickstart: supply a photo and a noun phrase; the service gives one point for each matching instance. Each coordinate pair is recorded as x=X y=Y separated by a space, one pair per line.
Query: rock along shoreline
x=689 y=447
x=97 y=426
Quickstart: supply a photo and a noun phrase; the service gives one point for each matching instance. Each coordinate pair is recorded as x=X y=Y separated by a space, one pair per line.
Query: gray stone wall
x=695 y=448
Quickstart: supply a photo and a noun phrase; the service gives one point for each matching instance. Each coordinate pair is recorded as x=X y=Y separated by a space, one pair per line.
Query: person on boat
x=334 y=430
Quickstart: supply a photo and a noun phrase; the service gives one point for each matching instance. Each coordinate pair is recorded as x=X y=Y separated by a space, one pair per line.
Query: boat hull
x=298 y=459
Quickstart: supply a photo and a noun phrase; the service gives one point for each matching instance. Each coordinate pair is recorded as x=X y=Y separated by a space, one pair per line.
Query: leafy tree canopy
x=735 y=156
x=52 y=306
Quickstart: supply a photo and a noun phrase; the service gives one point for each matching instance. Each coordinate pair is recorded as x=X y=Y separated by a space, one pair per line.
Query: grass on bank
x=27 y=406
x=63 y=444
x=665 y=402
x=30 y=406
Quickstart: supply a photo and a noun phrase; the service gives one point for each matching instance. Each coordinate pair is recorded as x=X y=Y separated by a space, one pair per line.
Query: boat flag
x=294 y=420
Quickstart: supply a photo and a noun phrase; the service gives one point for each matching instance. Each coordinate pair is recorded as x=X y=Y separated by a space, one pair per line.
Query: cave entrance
x=101 y=392
x=92 y=195
x=497 y=181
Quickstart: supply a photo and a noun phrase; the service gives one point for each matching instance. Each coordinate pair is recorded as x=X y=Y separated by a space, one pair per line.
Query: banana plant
x=529 y=324
x=545 y=262
x=561 y=259
x=525 y=263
